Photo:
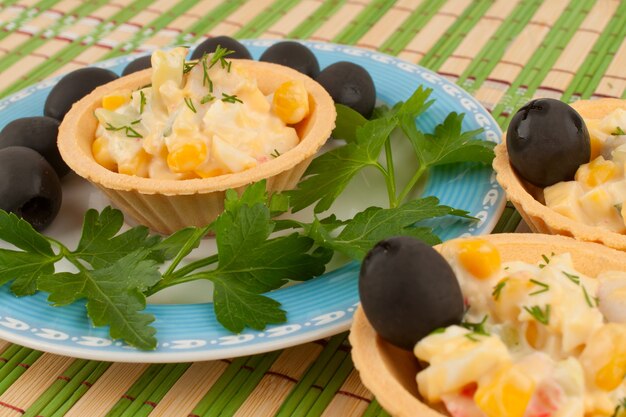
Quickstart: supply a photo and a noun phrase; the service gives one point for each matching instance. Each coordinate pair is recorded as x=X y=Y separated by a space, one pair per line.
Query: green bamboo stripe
x=135 y=390
x=308 y=378
x=45 y=35
x=58 y=392
x=77 y=46
x=316 y=19
x=150 y=29
x=331 y=387
x=542 y=60
x=491 y=53
x=8 y=354
x=24 y=16
x=363 y=22
x=16 y=358
x=168 y=375
x=7 y=3
x=221 y=383
x=81 y=389
x=411 y=26
x=162 y=389
x=231 y=389
x=8 y=380
x=599 y=58
x=455 y=34
x=508 y=221
x=321 y=381
x=260 y=23
x=240 y=392
x=373 y=409
x=207 y=22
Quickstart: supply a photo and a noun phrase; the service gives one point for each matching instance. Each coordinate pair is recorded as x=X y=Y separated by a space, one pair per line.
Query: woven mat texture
x=504 y=52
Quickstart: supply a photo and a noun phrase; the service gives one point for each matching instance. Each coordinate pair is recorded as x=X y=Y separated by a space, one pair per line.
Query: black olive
x=38 y=133
x=73 y=87
x=351 y=85
x=29 y=186
x=547 y=141
x=210 y=45
x=407 y=290
x=139 y=64
x=293 y=55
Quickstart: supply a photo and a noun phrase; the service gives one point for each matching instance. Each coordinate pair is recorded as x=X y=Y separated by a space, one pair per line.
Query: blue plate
x=318 y=308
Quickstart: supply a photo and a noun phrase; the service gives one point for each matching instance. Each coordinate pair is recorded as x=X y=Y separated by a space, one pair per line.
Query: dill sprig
x=128 y=130
x=275 y=154
x=189 y=104
x=142 y=101
x=207 y=98
x=544 y=287
x=230 y=99
x=188 y=65
x=618 y=131
x=498 y=289
x=477 y=328
x=588 y=298
x=574 y=278
x=540 y=315
x=220 y=55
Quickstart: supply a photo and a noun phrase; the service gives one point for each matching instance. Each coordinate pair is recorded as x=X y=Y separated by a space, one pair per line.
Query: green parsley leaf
x=348 y=121
x=21 y=234
x=24 y=268
x=114 y=295
x=100 y=244
x=375 y=224
x=329 y=174
x=236 y=307
x=448 y=144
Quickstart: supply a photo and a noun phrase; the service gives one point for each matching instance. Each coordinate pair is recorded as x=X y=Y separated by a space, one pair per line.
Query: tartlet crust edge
x=385 y=370
x=523 y=195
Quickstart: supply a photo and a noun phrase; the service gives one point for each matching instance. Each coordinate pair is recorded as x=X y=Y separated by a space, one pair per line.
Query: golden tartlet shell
x=389 y=372
x=528 y=198
x=169 y=205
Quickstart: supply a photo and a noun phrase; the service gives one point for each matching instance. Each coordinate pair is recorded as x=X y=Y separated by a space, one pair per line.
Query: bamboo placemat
x=505 y=52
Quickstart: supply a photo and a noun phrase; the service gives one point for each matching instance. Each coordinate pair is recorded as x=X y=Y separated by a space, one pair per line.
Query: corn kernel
x=187 y=157
x=505 y=394
x=100 y=150
x=115 y=100
x=611 y=375
x=291 y=102
x=479 y=257
x=214 y=172
x=596 y=172
x=137 y=166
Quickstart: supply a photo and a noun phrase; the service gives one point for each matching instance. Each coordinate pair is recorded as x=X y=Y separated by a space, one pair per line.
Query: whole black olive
x=73 y=87
x=407 y=290
x=38 y=133
x=29 y=186
x=139 y=64
x=210 y=45
x=294 y=55
x=547 y=141
x=351 y=85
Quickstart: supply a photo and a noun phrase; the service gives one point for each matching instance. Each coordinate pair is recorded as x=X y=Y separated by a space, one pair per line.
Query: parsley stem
x=407 y=189
x=180 y=279
x=190 y=267
x=390 y=188
x=390 y=178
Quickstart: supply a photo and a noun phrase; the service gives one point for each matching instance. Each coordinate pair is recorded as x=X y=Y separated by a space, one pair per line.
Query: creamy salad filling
x=538 y=340
x=596 y=196
x=197 y=120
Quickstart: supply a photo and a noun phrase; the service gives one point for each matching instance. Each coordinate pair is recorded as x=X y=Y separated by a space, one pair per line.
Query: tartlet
x=169 y=205
x=528 y=199
x=389 y=372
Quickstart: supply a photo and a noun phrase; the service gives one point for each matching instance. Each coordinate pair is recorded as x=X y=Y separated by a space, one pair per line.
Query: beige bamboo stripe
x=34 y=382
x=292 y=19
x=162 y=5
x=613 y=83
x=29 y=3
x=344 y=404
x=42 y=21
x=66 y=5
x=8 y=15
x=519 y=52
x=203 y=7
x=107 y=390
x=272 y=390
x=144 y=17
x=338 y=22
x=240 y=17
x=433 y=30
x=181 y=399
x=384 y=28
x=580 y=45
x=25 y=65
x=478 y=37
x=4 y=345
